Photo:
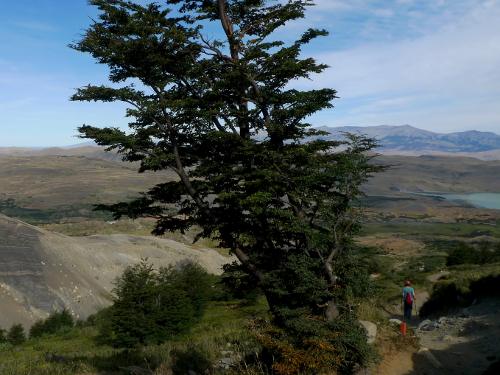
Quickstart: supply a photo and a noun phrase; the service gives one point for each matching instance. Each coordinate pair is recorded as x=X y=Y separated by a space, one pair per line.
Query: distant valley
x=53 y=184
x=393 y=140
x=71 y=258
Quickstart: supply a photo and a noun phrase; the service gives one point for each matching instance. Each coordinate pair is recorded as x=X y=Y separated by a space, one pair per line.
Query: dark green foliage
x=194 y=281
x=288 y=354
x=238 y=283
x=16 y=335
x=354 y=277
x=56 y=322
x=10 y=207
x=483 y=253
x=221 y=114
x=153 y=306
x=3 y=337
x=448 y=296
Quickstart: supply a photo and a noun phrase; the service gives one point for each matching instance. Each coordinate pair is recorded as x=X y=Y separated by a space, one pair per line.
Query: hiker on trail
x=408 y=300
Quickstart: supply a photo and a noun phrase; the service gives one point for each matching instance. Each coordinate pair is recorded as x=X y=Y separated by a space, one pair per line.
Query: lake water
x=481 y=200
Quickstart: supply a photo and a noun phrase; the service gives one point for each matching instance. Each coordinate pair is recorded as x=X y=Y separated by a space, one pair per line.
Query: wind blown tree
x=219 y=109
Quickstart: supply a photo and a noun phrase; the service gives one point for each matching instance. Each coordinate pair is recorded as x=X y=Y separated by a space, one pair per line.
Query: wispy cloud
x=446 y=74
x=35 y=26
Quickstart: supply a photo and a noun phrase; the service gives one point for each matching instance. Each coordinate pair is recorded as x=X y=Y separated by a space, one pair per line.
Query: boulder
x=395 y=322
x=428 y=325
x=443 y=320
x=371 y=331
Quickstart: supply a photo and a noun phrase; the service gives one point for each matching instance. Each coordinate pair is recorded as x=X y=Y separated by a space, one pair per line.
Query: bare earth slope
x=434 y=173
x=42 y=182
x=41 y=271
x=89 y=151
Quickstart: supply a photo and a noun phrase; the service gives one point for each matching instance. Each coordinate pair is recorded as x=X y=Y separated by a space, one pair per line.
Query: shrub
x=3 y=337
x=152 y=306
x=462 y=254
x=16 y=335
x=56 y=322
x=466 y=254
x=459 y=293
x=287 y=355
x=239 y=284
x=193 y=280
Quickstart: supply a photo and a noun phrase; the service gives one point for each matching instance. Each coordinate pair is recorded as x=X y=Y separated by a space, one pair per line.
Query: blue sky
x=434 y=64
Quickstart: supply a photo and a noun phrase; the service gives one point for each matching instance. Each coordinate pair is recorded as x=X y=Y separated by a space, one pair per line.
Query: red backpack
x=409 y=298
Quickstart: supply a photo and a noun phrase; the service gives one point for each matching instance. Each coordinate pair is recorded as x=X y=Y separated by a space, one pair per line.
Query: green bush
x=193 y=280
x=56 y=322
x=483 y=253
x=3 y=337
x=16 y=335
x=450 y=295
x=239 y=284
x=153 y=306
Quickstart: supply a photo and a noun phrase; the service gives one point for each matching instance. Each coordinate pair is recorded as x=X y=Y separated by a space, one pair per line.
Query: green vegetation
x=284 y=207
x=10 y=207
x=241 y=327
x=153 y=306
x=482 y=253
x=56 y=322
x=16 y=335
x=463 y=287
x=223 y=328
x=163 y=319
x=422 y=230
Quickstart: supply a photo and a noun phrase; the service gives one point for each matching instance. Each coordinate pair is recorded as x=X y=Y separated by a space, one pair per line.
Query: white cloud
x=35 y=26
x=329 y=5
x=449 y=74
x=384 y=12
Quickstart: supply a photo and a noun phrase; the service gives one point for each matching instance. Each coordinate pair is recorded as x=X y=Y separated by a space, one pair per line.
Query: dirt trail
x=465 y=342
x=396 y=364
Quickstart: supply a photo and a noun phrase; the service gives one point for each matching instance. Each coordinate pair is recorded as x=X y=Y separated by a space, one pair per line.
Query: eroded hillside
x=41 y=271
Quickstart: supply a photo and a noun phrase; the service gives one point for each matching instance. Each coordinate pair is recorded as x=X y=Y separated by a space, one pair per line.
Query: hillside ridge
x=407 y=138
x=42 y=271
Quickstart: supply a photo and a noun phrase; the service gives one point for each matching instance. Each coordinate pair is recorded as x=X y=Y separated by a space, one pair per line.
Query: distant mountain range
x=408 y=139
x=394 y=140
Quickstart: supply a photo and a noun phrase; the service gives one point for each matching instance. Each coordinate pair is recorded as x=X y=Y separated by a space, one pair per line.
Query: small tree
x=192 y=279
x=56 y=322
x=153 y=306
x=16 y=335
x=221 y=112
x=3 y=337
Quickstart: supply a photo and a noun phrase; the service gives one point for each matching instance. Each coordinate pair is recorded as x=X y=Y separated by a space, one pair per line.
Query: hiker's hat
x=407 y=283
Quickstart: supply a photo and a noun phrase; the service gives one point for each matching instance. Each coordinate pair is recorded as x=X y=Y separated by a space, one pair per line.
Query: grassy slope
x=69 y=186
x=52 y=188
x=422 y=230
x=222 y=328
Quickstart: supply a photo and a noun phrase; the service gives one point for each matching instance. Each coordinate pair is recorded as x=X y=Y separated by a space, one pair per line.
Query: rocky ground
x=465 y=342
